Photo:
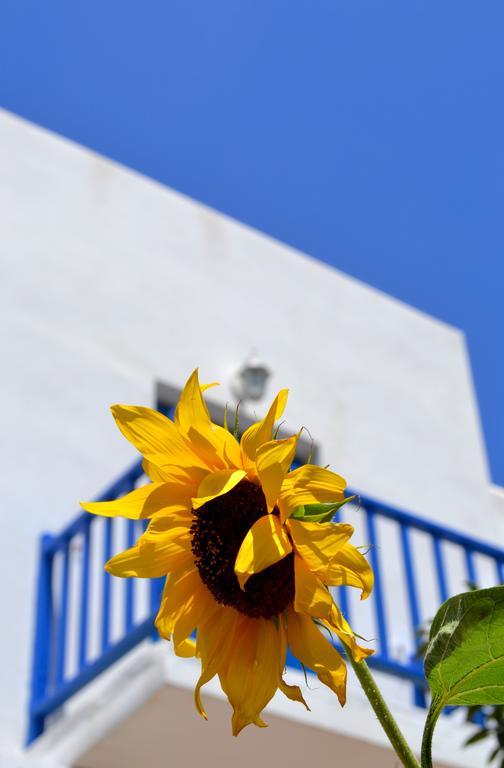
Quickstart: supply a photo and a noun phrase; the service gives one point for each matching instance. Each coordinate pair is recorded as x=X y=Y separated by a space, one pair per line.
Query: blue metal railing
x=86 y=620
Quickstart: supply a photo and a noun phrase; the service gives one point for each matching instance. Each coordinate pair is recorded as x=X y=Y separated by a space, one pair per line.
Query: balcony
x=86 y=620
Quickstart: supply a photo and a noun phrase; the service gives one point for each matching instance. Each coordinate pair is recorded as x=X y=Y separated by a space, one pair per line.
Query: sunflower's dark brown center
x=218 y=530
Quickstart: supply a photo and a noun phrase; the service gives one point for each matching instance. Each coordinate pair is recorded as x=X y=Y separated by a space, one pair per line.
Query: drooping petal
x=155 y=554
x=349 y=567
x=216 y=484
x=318 y=543
x=311 y=596
x=185 y=602
x=273 y=460
x=214 y=643
x=309 y=485
x=262 y=431
x=143 y=502
x=314 y=599
x=253 y=671
x=264 y=544
x=186 y=648
x=293 y=692
x=153 y=435
x=316 y=652
x=340 y=625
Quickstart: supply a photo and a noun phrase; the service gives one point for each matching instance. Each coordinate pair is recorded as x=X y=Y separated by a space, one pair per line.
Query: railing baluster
x=470 y=566
x=344 y=603
x=440 y=569
x=130 y=583
x=84 y=594
x=106 y=606
x=63 y=616
x=414 y=608
x=410 y=579
x=43 y=633
x=378 y=594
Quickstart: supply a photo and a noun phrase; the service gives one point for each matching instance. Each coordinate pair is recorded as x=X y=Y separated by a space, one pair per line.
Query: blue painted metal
x=377 y=590
x=470 y=566
x=84 y=595
x=50 y=689
x=63 y=616
x=440 y=569
x=414 y=608
x=107 y=585
x=41 y=665
x=344 y=603
x=410 y=580
x=130 y=583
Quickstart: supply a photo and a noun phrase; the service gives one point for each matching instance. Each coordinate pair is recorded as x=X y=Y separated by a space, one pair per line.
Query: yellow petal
x=185 y=602
x=293 y=692
x=310 y=485
x=188 y=476
x=216 y=484
x=153 y=434
x=186 y=648
x=339 y=624
x=161 y=524
x=262 y=431
x=192 y=411
x=215 y=445
x=204 y=387
x=154 y=554
x=273 y=460
x=318 y=543
x=158 y=470
x=265 y=544
x=311 y=596
x=155 y=474
x=349 y=567
x=214 y=643
x=253 y=671
x=317 y=653
x=143 y=502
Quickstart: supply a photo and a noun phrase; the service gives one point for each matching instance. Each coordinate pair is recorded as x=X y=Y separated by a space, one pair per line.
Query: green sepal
x=319 y=513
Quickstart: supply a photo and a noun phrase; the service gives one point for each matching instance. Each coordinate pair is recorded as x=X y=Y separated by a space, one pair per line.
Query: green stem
x=430 y=722
x=383 y=713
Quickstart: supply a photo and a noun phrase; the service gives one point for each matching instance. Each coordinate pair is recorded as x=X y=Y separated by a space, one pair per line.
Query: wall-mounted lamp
x=249 y=381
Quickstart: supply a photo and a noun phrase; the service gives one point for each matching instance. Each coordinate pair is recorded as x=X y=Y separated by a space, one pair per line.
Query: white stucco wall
x=110 y=281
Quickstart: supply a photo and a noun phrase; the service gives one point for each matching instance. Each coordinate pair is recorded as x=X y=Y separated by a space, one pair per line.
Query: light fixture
x=249 y=381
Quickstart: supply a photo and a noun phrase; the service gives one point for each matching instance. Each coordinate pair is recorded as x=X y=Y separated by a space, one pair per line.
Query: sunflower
x=247 y=561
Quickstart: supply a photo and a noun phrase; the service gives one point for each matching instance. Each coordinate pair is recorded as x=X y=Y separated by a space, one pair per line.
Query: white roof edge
x=142 y=177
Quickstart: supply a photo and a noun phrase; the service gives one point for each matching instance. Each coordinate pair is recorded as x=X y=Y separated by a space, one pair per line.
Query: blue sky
x=368 y=134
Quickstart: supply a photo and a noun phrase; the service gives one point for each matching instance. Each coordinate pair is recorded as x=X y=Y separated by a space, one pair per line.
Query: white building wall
x=110 y=282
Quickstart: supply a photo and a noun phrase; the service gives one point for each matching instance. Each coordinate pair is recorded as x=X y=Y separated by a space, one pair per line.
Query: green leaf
x=319 y=513
x=478 y=736
x=464 y=661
